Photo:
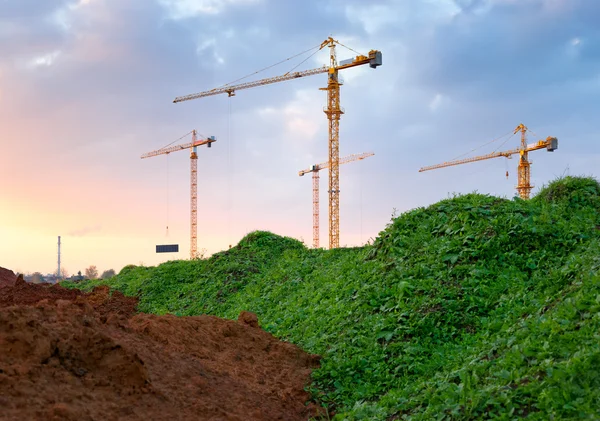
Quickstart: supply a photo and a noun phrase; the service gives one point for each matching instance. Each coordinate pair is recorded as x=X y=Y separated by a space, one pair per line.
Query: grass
x=473 y=308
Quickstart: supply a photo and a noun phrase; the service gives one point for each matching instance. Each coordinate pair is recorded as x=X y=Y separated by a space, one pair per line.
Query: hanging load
x=167 y=248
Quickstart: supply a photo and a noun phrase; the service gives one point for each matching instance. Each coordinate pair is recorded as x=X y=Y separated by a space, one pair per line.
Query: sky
x=86 y=87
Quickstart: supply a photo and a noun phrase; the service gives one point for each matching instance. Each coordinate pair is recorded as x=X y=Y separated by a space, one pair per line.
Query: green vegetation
x=473 y=308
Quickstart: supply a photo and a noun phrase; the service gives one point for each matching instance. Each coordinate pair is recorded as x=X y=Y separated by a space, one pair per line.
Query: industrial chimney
x=58 y=274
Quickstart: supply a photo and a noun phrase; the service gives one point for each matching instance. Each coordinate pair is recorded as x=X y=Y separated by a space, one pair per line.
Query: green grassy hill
x=473 y=308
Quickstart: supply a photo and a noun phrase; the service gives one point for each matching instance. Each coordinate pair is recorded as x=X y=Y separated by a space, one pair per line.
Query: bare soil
x=7 y=277
x=67 y=355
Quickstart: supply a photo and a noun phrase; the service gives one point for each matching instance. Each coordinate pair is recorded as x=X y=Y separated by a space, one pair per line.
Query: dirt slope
x=7 y=277
x=65 y=355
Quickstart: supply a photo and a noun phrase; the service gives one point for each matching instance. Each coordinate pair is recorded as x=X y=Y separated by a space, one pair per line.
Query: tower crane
x=315 y=177
x=192 y=146
x=333 y=112
x=524 y=175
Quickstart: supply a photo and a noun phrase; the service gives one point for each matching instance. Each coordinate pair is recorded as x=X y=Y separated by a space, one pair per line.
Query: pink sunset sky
x=87 y=86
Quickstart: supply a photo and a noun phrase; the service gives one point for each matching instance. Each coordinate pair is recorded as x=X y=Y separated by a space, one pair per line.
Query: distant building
x=51 y=279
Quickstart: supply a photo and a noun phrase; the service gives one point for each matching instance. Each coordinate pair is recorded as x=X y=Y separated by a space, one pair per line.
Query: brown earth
x=66 y=355
x=7 y=277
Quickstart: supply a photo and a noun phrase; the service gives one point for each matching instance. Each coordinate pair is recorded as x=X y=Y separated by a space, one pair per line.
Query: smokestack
x=58 y=257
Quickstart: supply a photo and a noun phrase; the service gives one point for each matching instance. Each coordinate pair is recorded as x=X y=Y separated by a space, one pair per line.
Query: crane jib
x=374 y=60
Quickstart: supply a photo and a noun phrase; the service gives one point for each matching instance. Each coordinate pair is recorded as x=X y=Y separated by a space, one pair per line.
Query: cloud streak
x=85 y=231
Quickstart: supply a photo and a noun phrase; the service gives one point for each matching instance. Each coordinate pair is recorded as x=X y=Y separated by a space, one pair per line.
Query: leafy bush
x=573 y=191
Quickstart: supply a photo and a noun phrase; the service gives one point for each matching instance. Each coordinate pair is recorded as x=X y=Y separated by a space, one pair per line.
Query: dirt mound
x=25 y=293
x=105 y=303
x=65 y=355
x=7 y=277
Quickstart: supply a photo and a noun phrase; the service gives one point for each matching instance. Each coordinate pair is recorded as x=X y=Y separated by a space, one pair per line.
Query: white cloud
x=180 y=9
x=557 y=5
x=45 y=60
x=436 y=102
x=63 y=17
x=404 y=14
x=302 y=118
x=208 y=44
x=372 y=17
x=574 y=47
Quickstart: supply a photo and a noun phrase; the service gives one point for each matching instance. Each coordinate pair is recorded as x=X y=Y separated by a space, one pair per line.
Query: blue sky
x=87 y=86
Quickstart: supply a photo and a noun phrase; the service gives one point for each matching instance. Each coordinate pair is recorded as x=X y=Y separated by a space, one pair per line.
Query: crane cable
x=360 y=54
x=506 y=160
x=268 y=67
x=187 y=134
x=481 y=146
x=295 y=67
x=360 y=186
x=503 y=143
x=317 y=48
x=167 y=232
x=532 y=132
x=229 y=174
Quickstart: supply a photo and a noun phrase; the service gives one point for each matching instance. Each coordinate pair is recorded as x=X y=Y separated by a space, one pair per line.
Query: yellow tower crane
x=333 y=112
x=315 y=172
x=192 y=146
x=524 y=175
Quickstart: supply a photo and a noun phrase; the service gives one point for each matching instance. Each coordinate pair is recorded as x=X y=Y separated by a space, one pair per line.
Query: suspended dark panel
x=167 y=248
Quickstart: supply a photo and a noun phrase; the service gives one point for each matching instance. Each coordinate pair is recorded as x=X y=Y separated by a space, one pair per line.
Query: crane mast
x=524 y=169
x=192 y=146
x=333 y=112
x=315 y=178
x=316 y=228
x=524 y=174
x=194 y=199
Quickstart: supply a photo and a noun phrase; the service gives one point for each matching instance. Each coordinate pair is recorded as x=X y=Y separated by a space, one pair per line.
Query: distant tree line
x=90 y=273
